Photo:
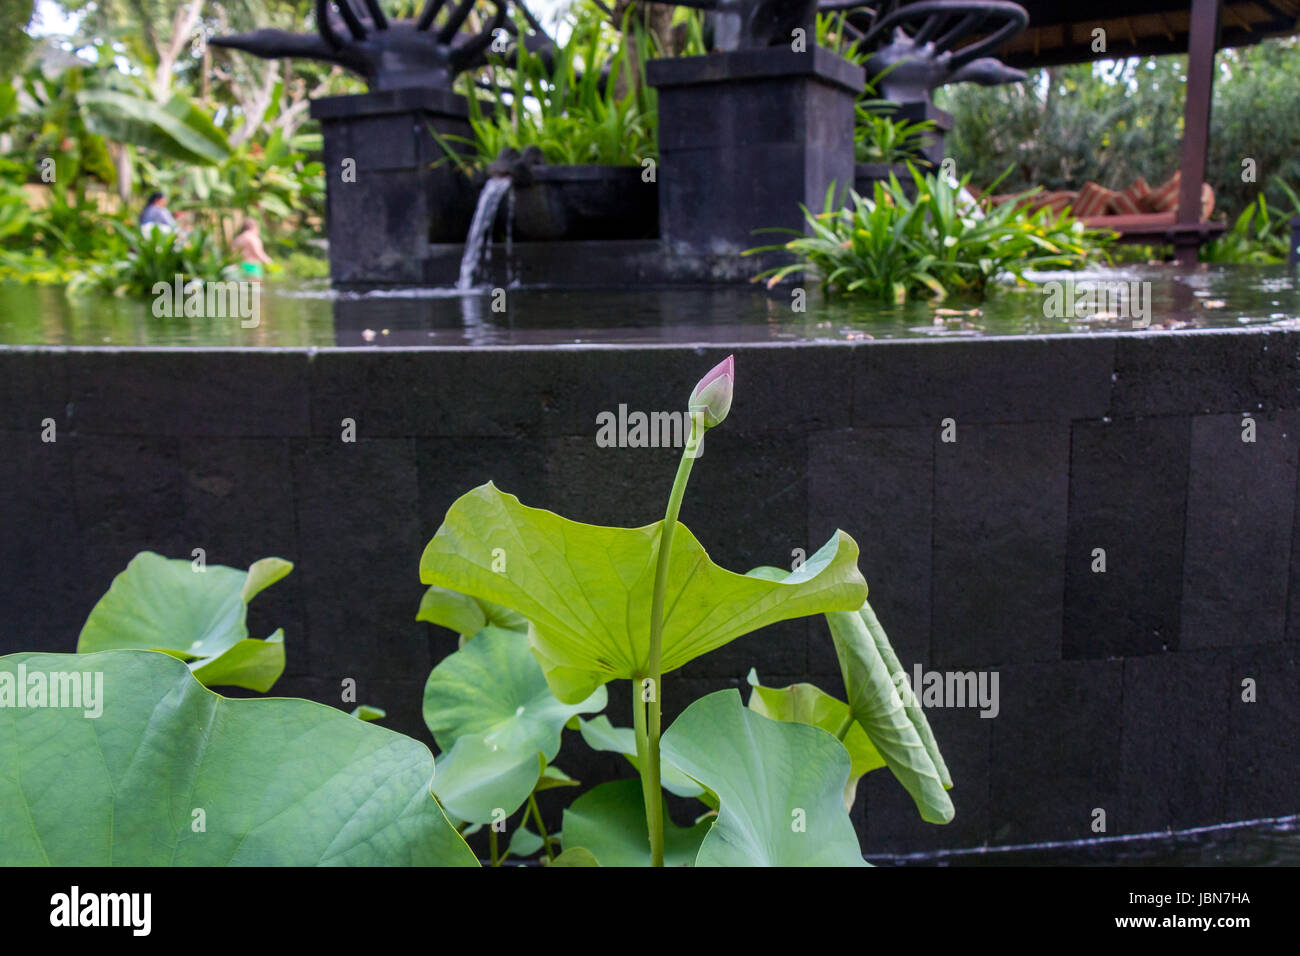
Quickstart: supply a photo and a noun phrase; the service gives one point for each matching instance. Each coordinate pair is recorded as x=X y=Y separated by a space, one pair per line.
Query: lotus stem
x=541 y=827
x=650 y=777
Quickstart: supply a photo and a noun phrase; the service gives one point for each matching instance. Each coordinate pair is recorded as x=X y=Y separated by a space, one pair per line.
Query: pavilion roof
x=1061 y=31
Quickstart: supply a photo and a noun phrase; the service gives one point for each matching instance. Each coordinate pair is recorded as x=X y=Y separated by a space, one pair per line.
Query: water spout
x=480 y=230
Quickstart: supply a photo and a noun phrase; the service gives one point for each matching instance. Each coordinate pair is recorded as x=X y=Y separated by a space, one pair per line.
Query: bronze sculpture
x=389 y=54
x=917 y=47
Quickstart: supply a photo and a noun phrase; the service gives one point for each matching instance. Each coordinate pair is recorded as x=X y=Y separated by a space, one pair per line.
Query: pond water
x=1272 y=842
x=310 y=315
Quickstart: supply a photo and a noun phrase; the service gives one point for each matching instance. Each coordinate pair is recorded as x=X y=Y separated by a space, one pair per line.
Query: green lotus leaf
x=482 y=783
x=586 y=590
x=523 y=842
x=171 y=773
x=809 y=704
x=600 y=734
x=262 y=574
x=466 y=615
x=781 y=786
x=894 y=721
x=163 y=604
x=368 y=712
x=492 y=689
x=609 y=821
x=250 y=663
x=578 y=856
x=884 y=706
x=553 y=777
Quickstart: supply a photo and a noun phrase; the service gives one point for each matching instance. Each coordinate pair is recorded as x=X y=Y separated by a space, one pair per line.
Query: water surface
x=311 y=315
x=1271 y=842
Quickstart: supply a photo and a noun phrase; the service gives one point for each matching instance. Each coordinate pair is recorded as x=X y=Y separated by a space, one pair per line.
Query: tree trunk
x=125 y=172
x=183 y=24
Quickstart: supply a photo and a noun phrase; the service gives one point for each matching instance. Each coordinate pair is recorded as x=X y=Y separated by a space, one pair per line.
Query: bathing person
x=247 y=244
x=156 y=215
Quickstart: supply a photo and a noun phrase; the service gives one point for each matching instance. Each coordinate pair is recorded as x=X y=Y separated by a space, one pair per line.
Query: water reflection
x=1270 y=842
x=311 y=315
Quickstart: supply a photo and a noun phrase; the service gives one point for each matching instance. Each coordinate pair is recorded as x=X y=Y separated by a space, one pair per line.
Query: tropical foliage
x=1112 y=122
x=589 y=105
x=942 y=242
x=131 y=101
x=1260 y=235
x=878 y=135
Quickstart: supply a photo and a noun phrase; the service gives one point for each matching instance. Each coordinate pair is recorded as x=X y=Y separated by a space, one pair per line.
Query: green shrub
x=306 y=266
x=1259 y=236
x=891 y=247
x=880 y=138
x=155 y=256
x=592 y=105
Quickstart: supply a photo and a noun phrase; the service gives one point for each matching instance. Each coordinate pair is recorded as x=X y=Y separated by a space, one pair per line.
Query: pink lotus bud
x=712 y=394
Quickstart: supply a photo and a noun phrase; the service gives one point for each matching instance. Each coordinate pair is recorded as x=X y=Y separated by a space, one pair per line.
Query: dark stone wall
x=1119 y=691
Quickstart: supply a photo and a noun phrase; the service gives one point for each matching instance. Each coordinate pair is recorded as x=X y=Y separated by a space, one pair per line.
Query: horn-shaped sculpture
x=917 y=46
x=754 y=24
x=389 y=54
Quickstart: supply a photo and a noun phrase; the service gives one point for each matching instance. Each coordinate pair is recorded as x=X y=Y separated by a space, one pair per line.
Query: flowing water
x=480 y=229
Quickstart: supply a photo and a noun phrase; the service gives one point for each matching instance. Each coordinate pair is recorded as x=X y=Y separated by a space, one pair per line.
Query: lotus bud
x=712 y=395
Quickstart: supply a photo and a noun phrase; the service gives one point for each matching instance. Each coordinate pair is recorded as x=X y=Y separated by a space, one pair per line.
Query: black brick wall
x=1119 y=691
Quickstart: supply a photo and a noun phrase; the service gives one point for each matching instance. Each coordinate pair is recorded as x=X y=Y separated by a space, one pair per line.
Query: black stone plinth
x=386 y=200
x=745 y=138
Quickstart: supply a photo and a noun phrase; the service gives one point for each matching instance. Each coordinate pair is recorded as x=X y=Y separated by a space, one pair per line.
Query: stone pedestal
x=386 y=201
x=745 y=137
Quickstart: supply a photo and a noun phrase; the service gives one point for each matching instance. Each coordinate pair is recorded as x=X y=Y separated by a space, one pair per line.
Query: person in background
x=156 y=215
x=247 y=244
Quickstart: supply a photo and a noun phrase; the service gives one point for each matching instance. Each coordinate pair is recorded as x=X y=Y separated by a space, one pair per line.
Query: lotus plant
x=598 y=603
x=155 y=768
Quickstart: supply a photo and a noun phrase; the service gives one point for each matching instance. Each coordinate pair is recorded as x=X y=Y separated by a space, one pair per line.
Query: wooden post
x=1203 y=37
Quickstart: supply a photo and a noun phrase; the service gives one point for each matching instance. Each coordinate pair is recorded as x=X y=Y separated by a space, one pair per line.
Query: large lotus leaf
x=809 y=704
x=781 y=786
x=279 y=782
x=600 y=734
x=609 y=821
x=166 y=605
x=898 y=728
x=492 y=713
x=586 y=590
